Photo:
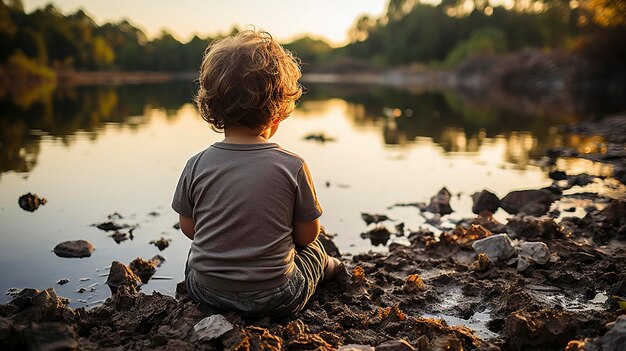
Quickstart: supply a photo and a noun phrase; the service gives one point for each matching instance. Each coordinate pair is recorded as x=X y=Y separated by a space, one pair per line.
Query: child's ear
x=276 y=121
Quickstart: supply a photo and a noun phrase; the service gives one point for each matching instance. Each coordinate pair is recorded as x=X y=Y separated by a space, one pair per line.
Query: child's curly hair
x=247 y=80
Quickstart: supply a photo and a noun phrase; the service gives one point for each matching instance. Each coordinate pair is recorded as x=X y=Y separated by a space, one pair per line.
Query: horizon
x=325 y=19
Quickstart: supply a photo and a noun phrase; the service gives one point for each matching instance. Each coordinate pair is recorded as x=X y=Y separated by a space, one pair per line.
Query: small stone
x=63 y=281
x=120 y=274
x=81 y=290
x=109 y=226
x=485 y=200
x=162 y=243
x=440 y=203
x=557 y=175
x=395 y=345
x=30 y=202
x=481 y=264
x=119 y=237
x=496 y=247
x=514 y=201
x=536 y=250
x=535 y=209
x=143 y=269
x=157 y=260
x=373 y=218
x=355 y=347
x=212 y=327
x=74 y=249
x=522 y=264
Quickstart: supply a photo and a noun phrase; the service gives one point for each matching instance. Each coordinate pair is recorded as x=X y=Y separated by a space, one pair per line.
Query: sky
x=284 y=19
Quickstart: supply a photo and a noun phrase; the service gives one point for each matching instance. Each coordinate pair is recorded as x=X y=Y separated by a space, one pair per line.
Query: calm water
x=99 y=150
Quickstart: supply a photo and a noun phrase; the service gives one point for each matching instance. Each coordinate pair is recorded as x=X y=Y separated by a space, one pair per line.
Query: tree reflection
x=458 y=121
x=59 y=113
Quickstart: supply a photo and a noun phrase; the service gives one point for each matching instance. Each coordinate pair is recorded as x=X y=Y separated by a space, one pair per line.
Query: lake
x=97 y=151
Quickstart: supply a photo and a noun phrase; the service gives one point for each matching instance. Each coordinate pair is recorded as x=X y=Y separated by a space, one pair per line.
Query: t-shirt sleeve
x=307 y=207
x=181 y=203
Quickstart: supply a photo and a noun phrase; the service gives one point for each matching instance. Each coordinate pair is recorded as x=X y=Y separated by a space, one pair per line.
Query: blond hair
x=247 y=80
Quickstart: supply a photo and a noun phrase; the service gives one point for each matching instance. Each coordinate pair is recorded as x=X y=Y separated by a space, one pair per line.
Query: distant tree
x=483 y=41
x=309 y=50
x=32 y=44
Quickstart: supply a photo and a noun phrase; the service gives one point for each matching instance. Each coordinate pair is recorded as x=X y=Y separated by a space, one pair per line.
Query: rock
x=481 y=264
x=34 y=306
x=119 y=237
x=536 y=250
x=109 y=226
x=373 y=218
x=522 y=264
x=321 y=137
x=440 y=203
x=514 y=201
x=157 y=260
x=51 y=337
x=30 y=202
x=615 y=338
x=485 y=200
x=162 y=243
x=143 y=269
x=580 y=180
x=120 y=274
x=546 y=329
x=535 y=209
x=496 y=247
x=522 y=227
x=557 y=175
x=63 y=281
x=378 y=236
x=212 y=327
x=394 y=345
x=355 y=347
x=74 y=249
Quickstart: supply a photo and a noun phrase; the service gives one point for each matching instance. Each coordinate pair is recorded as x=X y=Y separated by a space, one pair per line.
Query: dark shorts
x=289 y=298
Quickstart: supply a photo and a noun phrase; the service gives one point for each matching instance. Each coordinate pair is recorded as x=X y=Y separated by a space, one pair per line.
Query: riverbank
x=557 y=282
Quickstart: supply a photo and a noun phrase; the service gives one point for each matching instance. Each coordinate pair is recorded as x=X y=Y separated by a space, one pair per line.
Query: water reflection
x=60 y=113
x=458 y=123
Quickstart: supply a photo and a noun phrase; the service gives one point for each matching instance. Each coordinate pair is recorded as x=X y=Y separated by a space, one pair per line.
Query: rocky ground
x=545 y=280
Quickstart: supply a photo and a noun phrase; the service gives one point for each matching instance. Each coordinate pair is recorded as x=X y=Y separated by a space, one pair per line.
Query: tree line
x=410 y=31
x=75 y=41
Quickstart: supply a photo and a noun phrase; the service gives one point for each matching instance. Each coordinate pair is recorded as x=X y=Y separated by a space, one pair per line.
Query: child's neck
x=243 y=135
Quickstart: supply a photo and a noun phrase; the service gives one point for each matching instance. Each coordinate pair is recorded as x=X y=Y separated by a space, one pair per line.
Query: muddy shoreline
x=416 y=296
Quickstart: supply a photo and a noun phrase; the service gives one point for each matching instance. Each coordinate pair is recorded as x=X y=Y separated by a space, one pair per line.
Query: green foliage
x=22 y=66
x=483 y=41
x=75 y=41
x=451 y=30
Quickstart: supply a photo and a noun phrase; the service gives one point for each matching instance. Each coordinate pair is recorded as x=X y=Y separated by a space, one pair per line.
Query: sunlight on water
x=124 y=150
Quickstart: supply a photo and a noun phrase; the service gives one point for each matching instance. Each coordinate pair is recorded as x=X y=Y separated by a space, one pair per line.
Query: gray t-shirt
x=244 y=199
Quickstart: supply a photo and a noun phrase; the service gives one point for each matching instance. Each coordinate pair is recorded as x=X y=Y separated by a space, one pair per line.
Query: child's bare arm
x=305 y=233
x=187 y=225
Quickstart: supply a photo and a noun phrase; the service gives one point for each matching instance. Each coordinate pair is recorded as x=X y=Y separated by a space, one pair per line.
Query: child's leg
x=332 y=267
x=316 y=267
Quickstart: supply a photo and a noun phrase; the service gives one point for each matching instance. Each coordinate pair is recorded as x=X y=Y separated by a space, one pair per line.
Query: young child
x=249 y=205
